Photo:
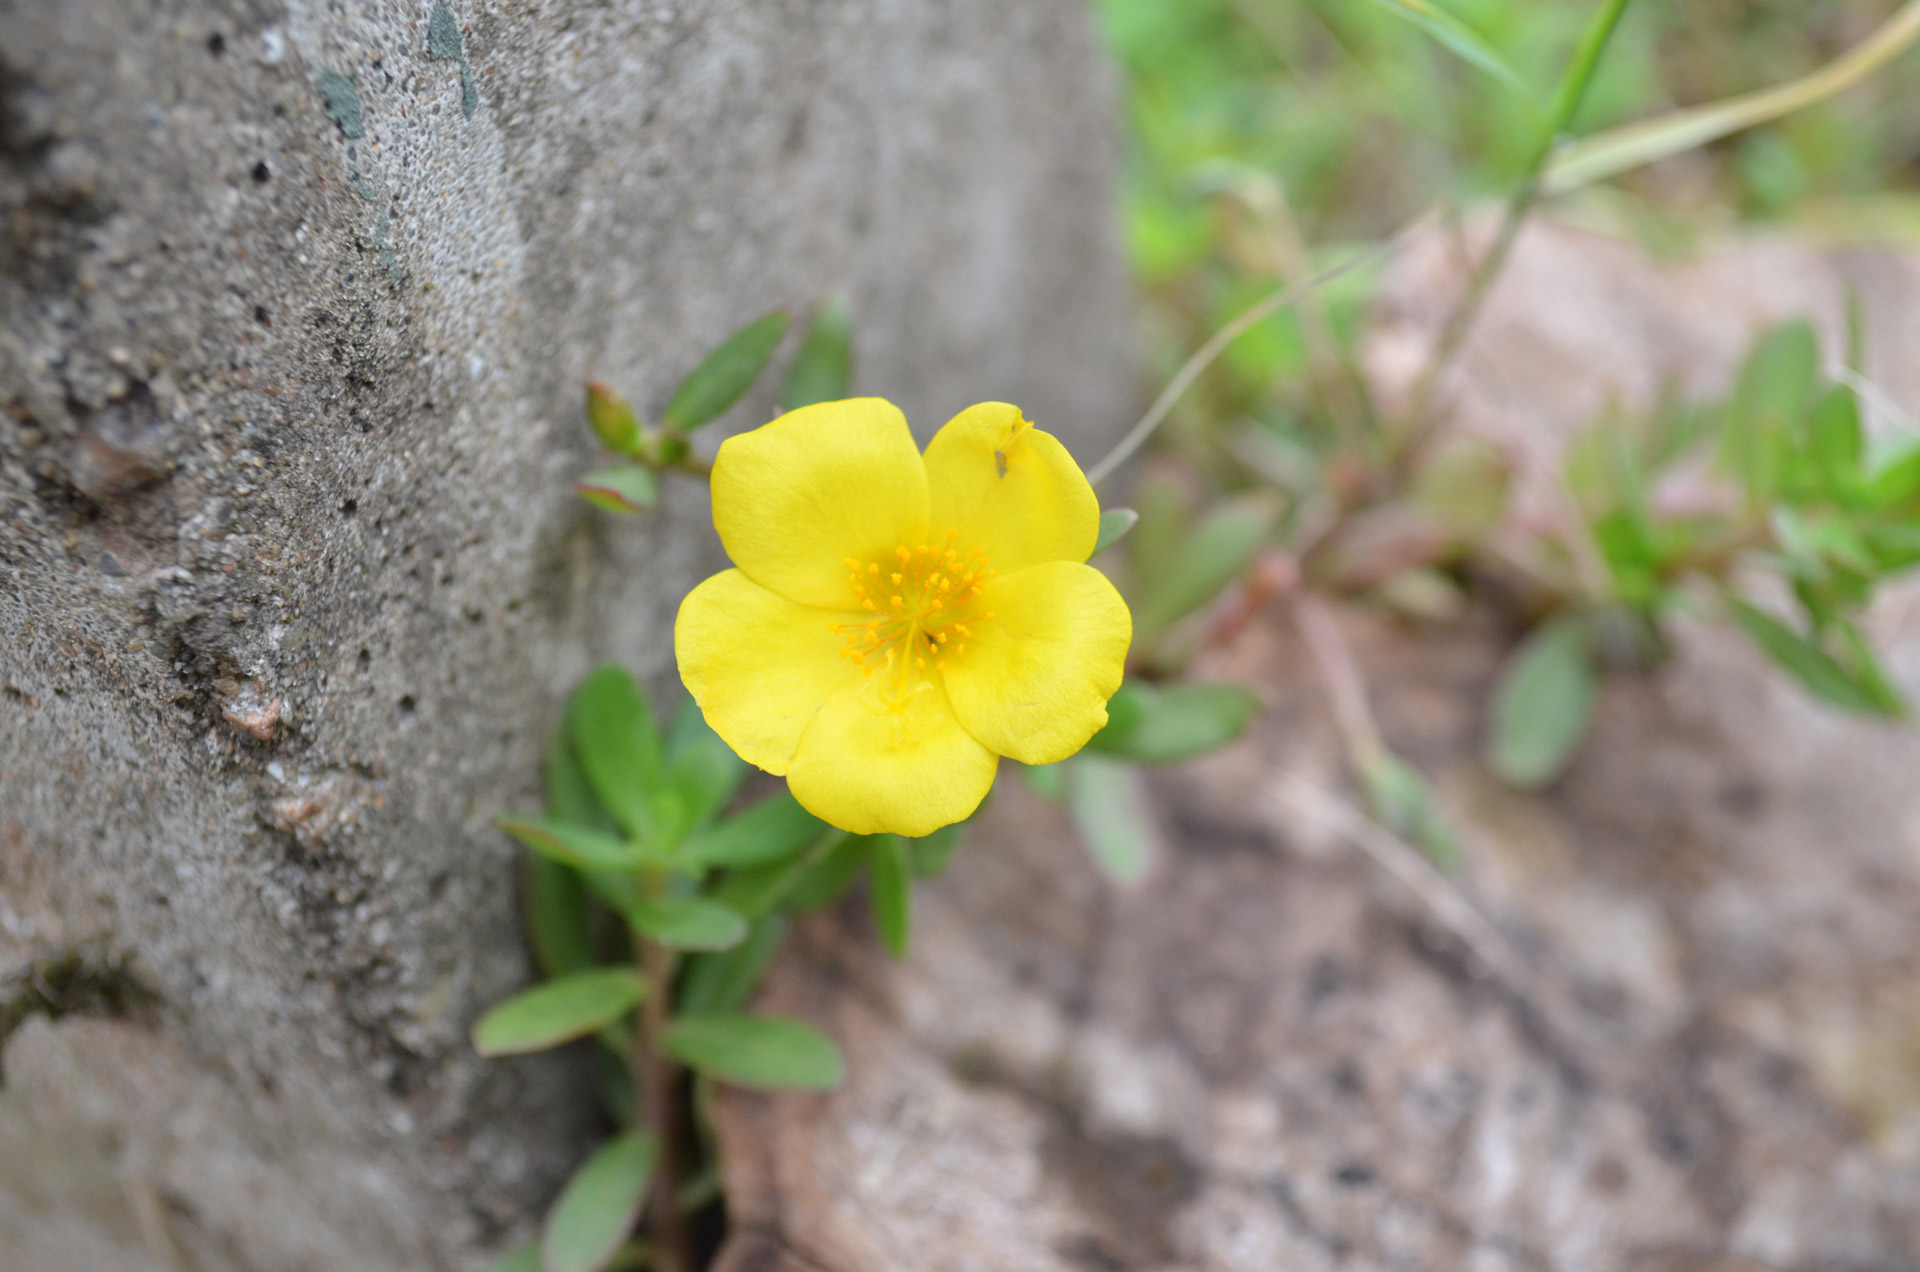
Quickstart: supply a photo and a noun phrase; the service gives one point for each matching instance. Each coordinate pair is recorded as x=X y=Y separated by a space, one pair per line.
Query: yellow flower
x=897 y=622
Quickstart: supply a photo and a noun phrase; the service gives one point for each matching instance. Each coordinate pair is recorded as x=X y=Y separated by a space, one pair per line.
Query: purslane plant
x=895 y=622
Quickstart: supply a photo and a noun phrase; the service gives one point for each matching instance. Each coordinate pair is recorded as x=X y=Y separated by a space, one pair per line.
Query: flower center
x=917 y=598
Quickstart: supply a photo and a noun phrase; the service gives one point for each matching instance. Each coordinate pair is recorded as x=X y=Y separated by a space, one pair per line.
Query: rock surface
x=1275 y=1055
x=296 y=304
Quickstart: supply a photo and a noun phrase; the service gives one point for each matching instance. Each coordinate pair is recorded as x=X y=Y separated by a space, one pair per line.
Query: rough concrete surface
x=1274 y=1055
x=296 y=303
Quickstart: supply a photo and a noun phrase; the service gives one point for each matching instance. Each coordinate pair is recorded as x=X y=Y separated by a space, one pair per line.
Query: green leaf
x=724 y=981
x=767 y=1052
x=1458 y=39
x=1867 y=671
x=522 y=1258
x=1154 y=726
x=825 y=879
x=1769 y=401
x=1214 y=555
x=559 y=911
x=1114 y=524
x=928 y=855
x=702 y=771
x=613 y=420
x=1048 y=781
x=558 y=1011
x=890 y=889
x=600 y=1205
x=1896 y=478
x=688 y=923
x=727 y=372
x=570 y=796
x=770 y=831
x=574 y=846
x=614 y=735
x=1542 y=705
x=1108 y=809
x=1838 y=441
x=1812 y=666
x=823 y=368
x=621 y=488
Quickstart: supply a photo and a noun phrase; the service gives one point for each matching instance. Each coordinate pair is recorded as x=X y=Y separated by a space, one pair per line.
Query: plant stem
x=1566 y=103
x=657 y=1082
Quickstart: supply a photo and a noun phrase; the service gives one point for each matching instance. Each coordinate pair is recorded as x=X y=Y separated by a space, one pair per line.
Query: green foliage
x=618 y=745
x=1458 y=38
x=823 y=368
x=613 y=420
x=1400 y=798
x=1805 y=500
x=1164 y=726
x=620 y=488
x=771 y=831
x=1543 y=704
x=1114 y=524
x=764 y=1052
x=725 y=374
x=1199 y=563
x=890 y=890
x=599 y=1206
x=559 y=1011
x=687 y=923
x=721 y=983
x=1109 y=812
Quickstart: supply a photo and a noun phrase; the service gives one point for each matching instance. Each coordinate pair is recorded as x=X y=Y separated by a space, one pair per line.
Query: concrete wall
x=296 y=303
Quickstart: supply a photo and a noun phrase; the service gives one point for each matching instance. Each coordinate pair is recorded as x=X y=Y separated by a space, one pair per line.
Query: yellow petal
x=759 y=665
x=1009 y=490
x=868 y=767
x=794 y=499
x=1034 y=680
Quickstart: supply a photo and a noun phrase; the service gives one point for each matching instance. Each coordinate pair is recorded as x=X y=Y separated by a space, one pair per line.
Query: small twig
x=1340 y=673
x=657 y=1082
x=1205 y=356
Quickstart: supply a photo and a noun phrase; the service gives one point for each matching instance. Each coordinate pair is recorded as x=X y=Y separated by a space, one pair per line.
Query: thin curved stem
x=1210 y=352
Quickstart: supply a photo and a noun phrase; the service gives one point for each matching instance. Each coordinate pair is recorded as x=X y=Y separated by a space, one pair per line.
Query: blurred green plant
x=1769 y=505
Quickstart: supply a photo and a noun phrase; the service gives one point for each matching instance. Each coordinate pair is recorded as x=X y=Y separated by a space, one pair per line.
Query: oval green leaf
x=613 y=420
x=1817 y=670
x=621 y=488
x=1543 y=705
x=824 y=366
x=766 y=1052
x=1153 y=726
x=558 y=1011
x=1109 y=811
x=618 y=745
x=890 y=888
x=689 y=923
x=727 y=372
x=601 y=1203
x=771 y=830
x=571 y=845
x=1114 y=524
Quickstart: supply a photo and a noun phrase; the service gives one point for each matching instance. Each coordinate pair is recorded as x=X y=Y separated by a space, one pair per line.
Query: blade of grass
x=1629 y=146
x=1208 y=353
x=1566 y=104
x=1458 y=39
